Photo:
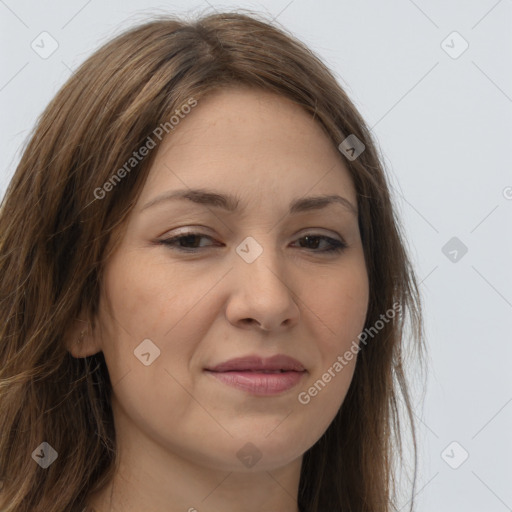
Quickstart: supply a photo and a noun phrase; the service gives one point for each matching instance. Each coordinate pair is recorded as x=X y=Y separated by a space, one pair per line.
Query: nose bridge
x=262 y=291
x=260 y=255
x=260 y=262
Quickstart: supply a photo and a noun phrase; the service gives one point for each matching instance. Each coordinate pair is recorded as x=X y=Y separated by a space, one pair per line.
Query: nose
x=262 y=294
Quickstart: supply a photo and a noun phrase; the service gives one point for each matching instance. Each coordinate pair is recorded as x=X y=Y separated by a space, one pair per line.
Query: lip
x=260 y=376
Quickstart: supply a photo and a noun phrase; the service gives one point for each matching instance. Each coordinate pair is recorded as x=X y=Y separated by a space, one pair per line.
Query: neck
x=135 y=489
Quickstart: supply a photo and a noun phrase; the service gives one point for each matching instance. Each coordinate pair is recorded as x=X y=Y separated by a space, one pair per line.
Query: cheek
x=340 y=308
x=139 y=292
x=145 y=300
x=131 y=309
x=137 y=308
x=341 y=305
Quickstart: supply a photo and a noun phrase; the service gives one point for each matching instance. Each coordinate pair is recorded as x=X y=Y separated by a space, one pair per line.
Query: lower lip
x=264 y=384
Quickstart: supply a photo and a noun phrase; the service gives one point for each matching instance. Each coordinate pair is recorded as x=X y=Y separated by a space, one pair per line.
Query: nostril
x=251 y=321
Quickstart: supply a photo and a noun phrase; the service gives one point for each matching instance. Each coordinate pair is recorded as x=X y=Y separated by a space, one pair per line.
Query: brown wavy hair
x=55 y=239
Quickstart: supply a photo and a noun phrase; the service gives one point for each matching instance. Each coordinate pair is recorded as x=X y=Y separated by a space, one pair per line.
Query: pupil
x=310 y=239
x=188 y=239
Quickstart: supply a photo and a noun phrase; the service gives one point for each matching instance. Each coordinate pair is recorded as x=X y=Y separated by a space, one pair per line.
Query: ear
x=81 y=338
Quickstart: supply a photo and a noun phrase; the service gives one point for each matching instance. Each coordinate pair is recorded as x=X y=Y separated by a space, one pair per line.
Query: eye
x=186 y=242
x=333 y=245
x=190 y=242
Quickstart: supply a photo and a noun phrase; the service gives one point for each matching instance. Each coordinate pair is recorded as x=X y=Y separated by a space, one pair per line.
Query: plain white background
x=442 y=116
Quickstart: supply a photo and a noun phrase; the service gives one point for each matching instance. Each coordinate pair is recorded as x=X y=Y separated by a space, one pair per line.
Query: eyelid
x=192 y=230
x=335 y=245
x=317 y=230
x=313 y=231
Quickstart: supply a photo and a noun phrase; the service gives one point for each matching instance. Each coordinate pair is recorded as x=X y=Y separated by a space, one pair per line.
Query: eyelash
x=336 y=245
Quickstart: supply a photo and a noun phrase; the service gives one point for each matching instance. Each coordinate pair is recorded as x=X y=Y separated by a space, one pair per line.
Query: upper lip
x=255 y=363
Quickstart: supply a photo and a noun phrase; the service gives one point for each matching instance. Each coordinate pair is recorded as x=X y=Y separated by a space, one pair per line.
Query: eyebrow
x=231 y=203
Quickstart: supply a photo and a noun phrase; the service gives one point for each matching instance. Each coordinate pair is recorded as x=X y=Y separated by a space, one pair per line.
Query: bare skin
x=179 y=428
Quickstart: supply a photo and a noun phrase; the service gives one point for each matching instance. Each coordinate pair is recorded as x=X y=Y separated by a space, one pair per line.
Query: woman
x=204 y=286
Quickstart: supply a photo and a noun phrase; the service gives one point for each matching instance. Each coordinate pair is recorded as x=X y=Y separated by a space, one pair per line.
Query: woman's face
x=241 y=286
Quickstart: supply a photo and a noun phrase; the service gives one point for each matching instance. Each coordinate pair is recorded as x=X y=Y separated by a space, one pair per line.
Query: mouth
x=259 y=376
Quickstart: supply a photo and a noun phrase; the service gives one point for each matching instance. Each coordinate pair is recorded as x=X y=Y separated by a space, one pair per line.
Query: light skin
x=178 y=428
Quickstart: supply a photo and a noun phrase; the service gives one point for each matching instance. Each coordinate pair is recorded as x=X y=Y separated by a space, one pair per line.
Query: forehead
x=249 y=142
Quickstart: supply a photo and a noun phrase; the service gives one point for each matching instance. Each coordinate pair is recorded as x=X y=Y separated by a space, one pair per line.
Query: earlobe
x=80 y=340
